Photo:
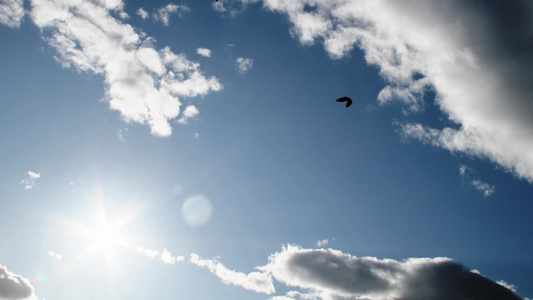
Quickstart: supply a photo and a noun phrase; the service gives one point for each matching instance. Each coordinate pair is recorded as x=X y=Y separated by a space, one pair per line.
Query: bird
x=345 y=99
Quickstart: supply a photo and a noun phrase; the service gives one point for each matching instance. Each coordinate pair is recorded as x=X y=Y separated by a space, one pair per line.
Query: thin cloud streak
x=164 y=256
x=254 y=281
x=143 y=84
x=484 y=187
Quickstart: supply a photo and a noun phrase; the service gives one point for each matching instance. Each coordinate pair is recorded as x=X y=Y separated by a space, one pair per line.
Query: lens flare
x=177 y=189
x=40 y=277
x=197 y=210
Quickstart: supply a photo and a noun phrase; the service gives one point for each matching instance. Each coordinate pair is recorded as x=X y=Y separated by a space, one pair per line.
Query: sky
x=195 y=150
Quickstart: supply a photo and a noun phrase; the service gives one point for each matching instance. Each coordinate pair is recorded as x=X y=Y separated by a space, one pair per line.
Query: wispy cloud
x=254 y=281
x=120 y=134
x=142 y=83
x=55 y=255
x=31 y=180
x=232 y=8
x=203 y=52
x=142 y=13
x=482 y=77
x=322 y=243
x=11 y=12
x=244 y=64
x=164 y=256
x=483 y=187
x=331 y=274
x=479 y=185
x=163 y=14
x=13 y=286
x=463 y=170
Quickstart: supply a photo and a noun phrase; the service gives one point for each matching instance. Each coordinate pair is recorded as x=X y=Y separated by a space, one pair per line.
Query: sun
x=104 y=238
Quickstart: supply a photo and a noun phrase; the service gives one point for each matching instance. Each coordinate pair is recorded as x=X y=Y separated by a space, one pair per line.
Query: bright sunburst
x=105 y=237
x=102 y=234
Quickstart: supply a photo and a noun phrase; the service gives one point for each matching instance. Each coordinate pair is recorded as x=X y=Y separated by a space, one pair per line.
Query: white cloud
x=506 y=285
x=55 y=255
x=281 y=298
x=190 y=112
x=165 y=256
x=197 y=135
x=11 y=12
x=481 y=186
x=244 y=64
x=13 y=286
x=120 y=134
x=254 y=281
x=331 y=274
x=463 y=169
x=204 y=52
x=143 y=84
x=30 y=181
x=322 y=243
x=484 y=187
x=475 y=57
x=163 y=14
x=142 y=13
x=232 y=8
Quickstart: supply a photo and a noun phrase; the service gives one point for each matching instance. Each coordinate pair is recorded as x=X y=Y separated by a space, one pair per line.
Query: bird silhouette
x=345 y=99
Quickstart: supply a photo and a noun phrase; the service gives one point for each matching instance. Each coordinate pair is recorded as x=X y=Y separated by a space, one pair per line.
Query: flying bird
x=345 y=99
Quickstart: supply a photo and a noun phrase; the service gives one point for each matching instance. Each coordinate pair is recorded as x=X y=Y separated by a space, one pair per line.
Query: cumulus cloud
x=13 y=286
x=31 y=180
x=254 y=281
x=190 y=112
x=475 y=56
x=244 y=64
x=55 y=255
x=331 y=274
x=142 y=13
x=142 y=83
x=11 y=12
x=163 y=14
x=203 y=52
x=164 y=256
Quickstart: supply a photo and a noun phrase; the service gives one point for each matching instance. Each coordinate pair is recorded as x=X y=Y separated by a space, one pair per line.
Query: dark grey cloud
x=331 y=274
x=13 y=286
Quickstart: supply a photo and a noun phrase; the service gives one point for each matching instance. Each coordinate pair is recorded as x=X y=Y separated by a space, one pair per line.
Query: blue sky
x=194 y=150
